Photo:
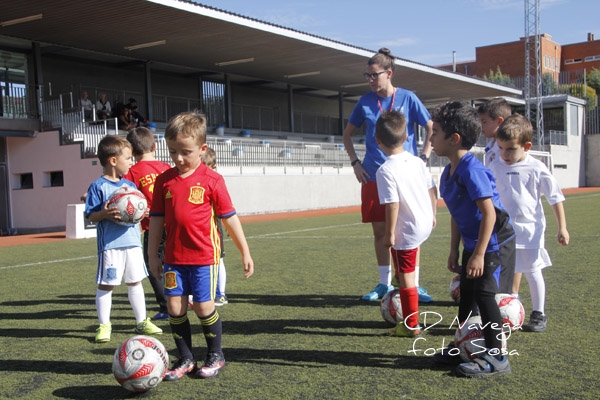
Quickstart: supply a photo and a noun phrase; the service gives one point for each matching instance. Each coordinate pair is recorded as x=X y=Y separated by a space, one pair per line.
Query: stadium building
x=276 y=100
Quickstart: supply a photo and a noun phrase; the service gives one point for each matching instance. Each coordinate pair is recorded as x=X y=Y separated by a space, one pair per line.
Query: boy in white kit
x=491 y=114
x=405 y=187
x=521 y=181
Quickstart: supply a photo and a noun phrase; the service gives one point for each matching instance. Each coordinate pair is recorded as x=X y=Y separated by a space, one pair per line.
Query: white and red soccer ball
x=455 y=288
x=140 y=363
x=470 y=341
x=131 y=203
x=512 y=311
x=391 y=308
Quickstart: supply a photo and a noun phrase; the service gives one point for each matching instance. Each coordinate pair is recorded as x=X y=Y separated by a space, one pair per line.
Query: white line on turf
x=278 y=234
x=48 y=262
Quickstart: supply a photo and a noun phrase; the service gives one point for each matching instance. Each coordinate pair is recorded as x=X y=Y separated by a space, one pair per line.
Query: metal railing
x=18 y=101
x=260 y=155
x=557 y=137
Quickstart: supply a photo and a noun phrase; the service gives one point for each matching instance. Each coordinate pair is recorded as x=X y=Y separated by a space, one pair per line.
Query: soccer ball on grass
x=512 y=311
x=455 y=288
x=140 y=363
x=391 y=308
x=470 y=341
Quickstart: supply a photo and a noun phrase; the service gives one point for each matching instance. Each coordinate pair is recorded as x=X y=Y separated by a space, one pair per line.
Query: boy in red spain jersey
x=143 y=173
x=186 y=200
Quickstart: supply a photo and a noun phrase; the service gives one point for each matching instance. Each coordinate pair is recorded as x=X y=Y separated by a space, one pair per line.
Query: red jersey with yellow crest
x=143 y=174
x=189 y=206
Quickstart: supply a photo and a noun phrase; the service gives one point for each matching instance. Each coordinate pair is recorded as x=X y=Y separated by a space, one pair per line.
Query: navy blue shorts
x=199 y=281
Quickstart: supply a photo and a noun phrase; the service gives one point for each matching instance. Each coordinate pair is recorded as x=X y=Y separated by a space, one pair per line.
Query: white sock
x=385 y=274
x=137 y=301
x=103 y=305
x=417 y=269
x=222 y=278
x=537 y=288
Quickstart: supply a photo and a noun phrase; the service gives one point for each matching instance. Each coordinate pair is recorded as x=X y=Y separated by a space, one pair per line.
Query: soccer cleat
x=103 y=333
x=146 y=327
x=448 y=356
x=484 y=367
x=537 y=322
x=212 y=364
x=378 y=293
x=401 y=330
x=191 y=301
x=181 y=367
x=160 y=316
x=221 y=300
x=424 y=297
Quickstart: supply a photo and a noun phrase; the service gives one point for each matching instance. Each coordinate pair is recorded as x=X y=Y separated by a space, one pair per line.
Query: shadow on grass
x=75 y=299
x=57 y=367
x=303 y=300
x=87 y=334
x=296 y=358
x=99 y=392
x=302 y=326
x=323 y=359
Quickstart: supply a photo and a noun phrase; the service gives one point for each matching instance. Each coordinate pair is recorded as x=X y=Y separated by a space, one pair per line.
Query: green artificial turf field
x=297 y=329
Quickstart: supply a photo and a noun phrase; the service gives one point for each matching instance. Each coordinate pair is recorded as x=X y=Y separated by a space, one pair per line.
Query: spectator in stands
x=135 y=114
x=103 y=107
x=124 y=120
x=86 y=104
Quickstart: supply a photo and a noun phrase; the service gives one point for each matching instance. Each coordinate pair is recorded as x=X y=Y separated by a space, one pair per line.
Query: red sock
x=409 y=298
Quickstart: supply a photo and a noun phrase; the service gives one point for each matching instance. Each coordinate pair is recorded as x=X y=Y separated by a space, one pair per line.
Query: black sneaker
x=181 y=367
x=484 y=367
x=449 y=356
x=212 y=364
x=537 y=322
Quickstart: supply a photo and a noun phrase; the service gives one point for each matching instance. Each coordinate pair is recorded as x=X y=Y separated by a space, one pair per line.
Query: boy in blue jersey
x=480 y=220
x=120 y=254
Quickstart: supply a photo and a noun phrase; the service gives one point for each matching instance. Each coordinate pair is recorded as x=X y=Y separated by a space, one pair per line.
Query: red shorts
x=371 y=209
x=404 y=261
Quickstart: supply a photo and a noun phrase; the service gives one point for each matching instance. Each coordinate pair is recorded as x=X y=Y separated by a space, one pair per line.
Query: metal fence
x=18 y=101
x=256 y=154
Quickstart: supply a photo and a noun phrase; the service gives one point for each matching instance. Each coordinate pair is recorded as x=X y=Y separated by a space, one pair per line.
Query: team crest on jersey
x=170 y=280
x=111 y=274
x=196 y=195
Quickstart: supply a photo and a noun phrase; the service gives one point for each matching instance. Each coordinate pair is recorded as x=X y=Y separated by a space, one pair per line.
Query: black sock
x=182 y=334
x=213 y=331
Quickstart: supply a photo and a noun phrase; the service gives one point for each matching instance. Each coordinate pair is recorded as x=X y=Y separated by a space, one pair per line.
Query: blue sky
x=425 y=31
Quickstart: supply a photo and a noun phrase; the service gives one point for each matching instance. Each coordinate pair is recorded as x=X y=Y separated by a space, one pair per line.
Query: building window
x=573 y=61
x=25 y=181
x=53 y=178
x=592 y=58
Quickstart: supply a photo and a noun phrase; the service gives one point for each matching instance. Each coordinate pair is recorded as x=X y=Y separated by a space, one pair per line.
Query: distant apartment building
x=510 y=58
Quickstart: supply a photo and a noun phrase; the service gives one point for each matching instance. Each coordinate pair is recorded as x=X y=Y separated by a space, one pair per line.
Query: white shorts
x=530 y=260
x=117 y=264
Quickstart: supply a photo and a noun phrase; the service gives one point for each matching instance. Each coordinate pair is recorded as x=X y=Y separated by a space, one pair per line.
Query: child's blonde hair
x=209 y=158
x=515 y=127
x=188 y=124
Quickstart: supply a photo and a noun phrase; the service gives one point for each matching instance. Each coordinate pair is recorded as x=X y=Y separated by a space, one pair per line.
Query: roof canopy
x=189 y=38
